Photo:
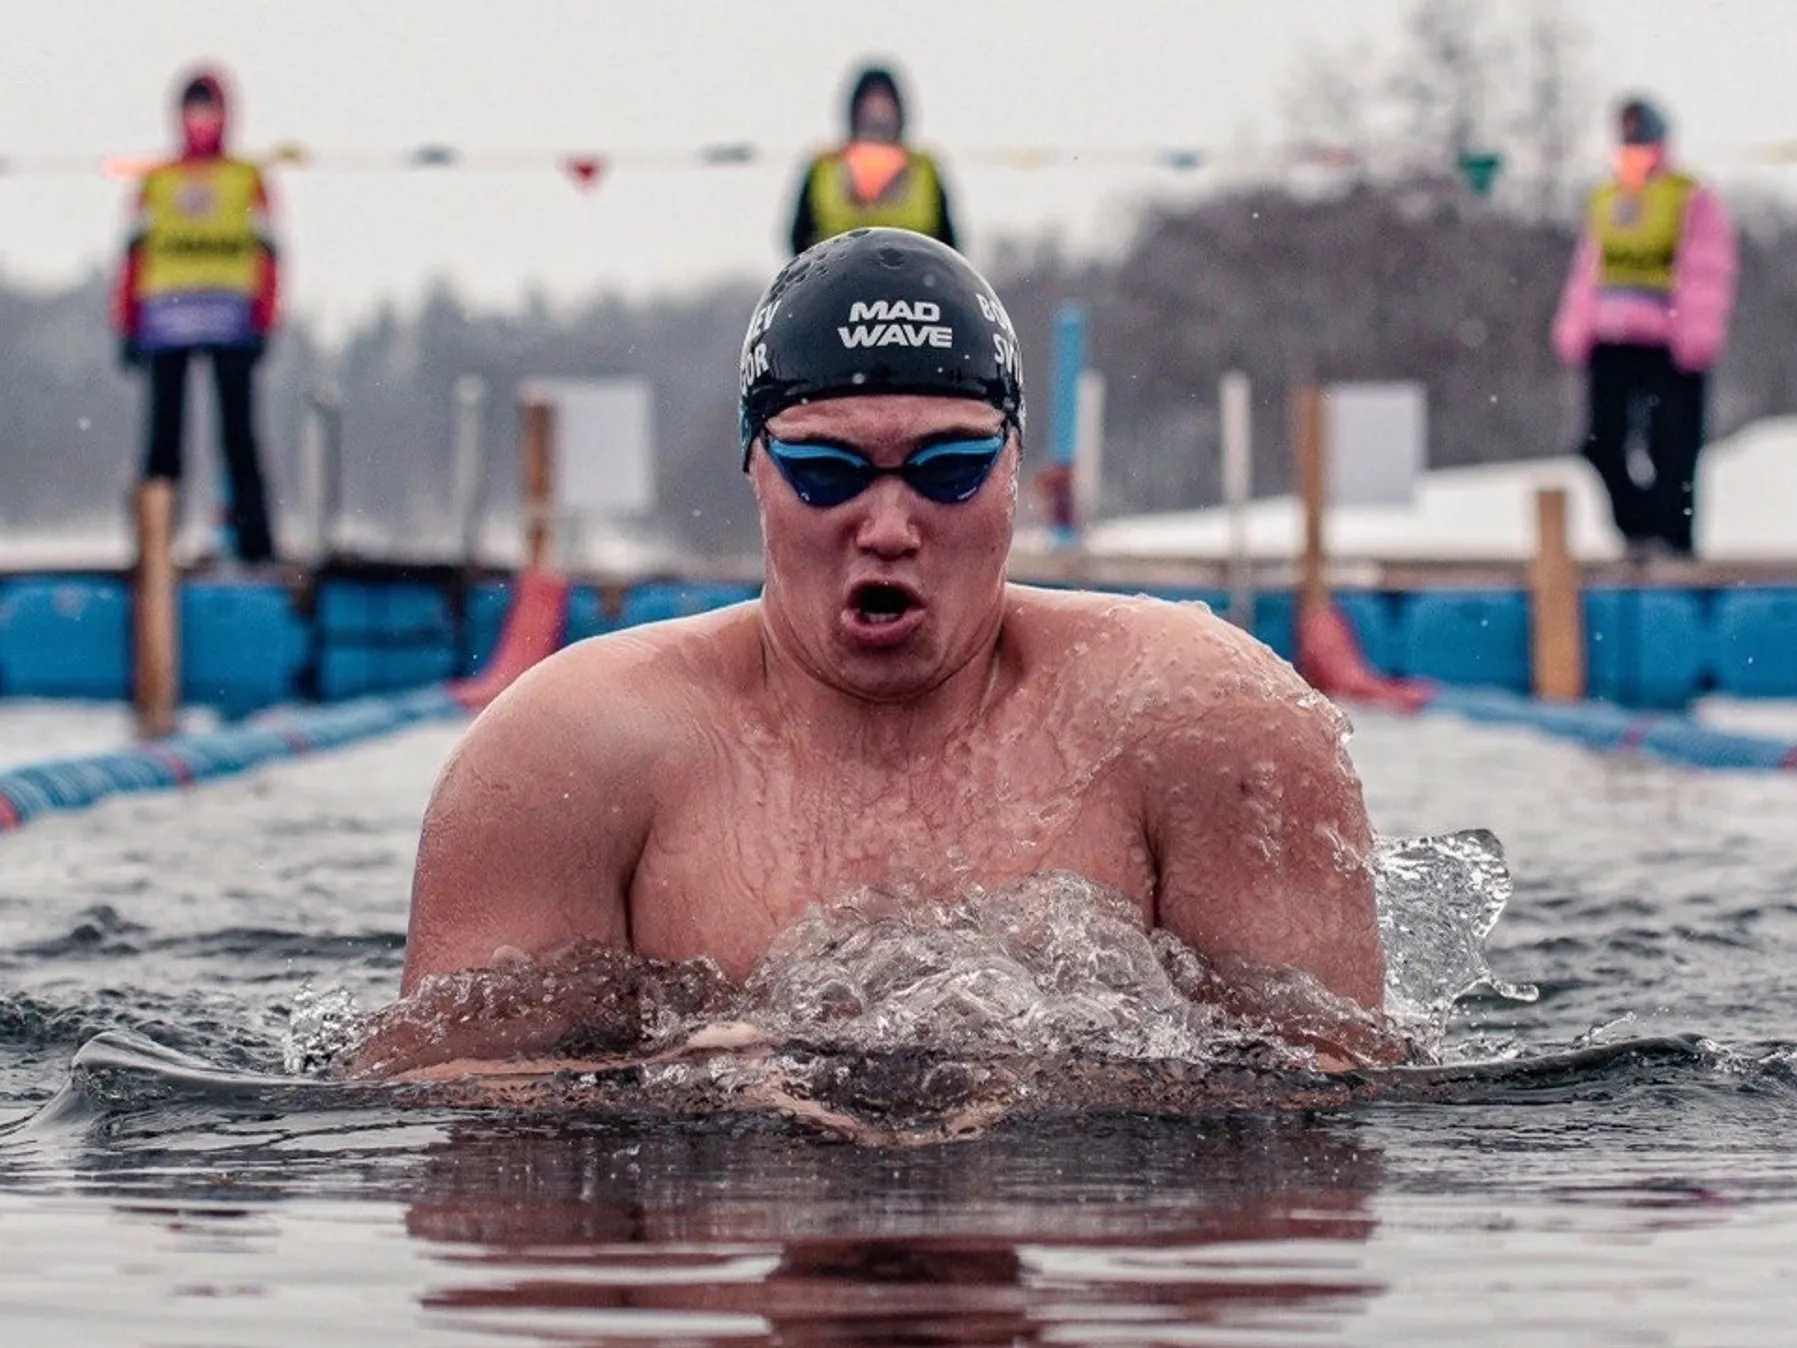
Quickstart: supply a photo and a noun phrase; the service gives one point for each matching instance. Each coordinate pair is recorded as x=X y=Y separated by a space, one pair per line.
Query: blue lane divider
x=75 y=783
x=1605 y=727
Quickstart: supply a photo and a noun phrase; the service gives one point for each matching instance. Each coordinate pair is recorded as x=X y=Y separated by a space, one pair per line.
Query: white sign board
x=1376 y=436
x=604 y=443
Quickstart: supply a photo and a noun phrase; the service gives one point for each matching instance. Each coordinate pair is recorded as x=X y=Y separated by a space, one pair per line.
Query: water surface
x=1608 y=1164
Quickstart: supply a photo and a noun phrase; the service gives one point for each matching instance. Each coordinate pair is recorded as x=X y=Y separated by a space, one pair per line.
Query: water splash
x=1050 y=965
x=1439 y=898
x=888 y=1006
x=321 y=1028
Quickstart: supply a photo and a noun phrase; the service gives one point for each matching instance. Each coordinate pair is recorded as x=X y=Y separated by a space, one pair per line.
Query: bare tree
x=1444 y=83
x=1553 y=116
x=1329 y=106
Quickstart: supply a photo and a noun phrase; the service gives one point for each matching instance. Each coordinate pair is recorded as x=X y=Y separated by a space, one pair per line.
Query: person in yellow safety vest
x=1645 y=313
x=200 y=275
x=875 y=178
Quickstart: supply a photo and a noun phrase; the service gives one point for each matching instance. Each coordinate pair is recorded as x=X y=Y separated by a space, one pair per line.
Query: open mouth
x=877 y=604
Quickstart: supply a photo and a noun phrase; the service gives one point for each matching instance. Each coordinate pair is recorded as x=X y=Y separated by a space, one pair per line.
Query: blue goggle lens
x=828 y=475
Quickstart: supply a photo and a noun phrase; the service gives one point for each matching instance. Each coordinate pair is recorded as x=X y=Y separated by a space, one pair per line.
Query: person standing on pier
x=200 y=276
x=1644 y=314
x=875 y=178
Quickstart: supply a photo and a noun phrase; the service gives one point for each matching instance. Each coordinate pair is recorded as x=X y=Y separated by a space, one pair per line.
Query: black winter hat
x=870 y=79
x=1641 y=123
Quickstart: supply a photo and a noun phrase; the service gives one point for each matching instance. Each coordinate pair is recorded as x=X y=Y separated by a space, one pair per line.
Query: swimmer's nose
x=888 y=519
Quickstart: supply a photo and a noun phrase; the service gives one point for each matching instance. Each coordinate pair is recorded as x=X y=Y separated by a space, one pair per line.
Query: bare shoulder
x=538 y=819
x=1214 y=721
x=1249 y=801
x=1159 y=658
x=630 y=695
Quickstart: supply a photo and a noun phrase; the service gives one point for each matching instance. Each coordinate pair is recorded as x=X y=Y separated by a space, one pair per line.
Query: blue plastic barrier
x=1476 y=638
x=1373 y=614
x=381 y=611
x=586 y=615
x=355 y=671
x=1276 y=621
x=1754 y=642
x=1645 y=648
x=65 y=637
x=242 y=646
x=483 y=618
x=378 y=636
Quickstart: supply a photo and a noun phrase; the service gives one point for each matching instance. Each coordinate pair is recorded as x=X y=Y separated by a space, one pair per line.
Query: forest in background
x=1373 y=258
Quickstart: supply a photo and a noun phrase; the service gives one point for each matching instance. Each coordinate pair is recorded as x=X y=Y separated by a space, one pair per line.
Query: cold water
x=1608 y=1163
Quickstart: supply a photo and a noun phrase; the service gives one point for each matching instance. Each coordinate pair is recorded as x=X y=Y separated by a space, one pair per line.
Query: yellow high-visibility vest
x=203 y=229
x=1638 y=233
x=912 y=202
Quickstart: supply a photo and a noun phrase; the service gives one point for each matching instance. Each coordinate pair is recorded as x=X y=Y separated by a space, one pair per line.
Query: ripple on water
x=884 y=1018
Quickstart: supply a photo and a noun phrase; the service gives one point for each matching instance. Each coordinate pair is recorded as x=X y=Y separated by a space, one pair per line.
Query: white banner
x=604 y=444
x=1376 y=437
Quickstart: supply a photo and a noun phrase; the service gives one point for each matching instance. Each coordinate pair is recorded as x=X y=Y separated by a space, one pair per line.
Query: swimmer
x=892 y=714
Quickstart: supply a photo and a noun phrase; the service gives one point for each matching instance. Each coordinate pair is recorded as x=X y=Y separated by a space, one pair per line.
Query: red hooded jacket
x=202 y=143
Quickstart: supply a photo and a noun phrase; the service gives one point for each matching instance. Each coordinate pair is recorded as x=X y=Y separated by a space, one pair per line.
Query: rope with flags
x=587 y=168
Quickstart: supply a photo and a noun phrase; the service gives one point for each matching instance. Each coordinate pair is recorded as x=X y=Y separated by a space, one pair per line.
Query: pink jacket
x=1693 y=325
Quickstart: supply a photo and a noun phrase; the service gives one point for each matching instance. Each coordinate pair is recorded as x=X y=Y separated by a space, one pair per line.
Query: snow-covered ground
x=34 y=730
x=1746 y=511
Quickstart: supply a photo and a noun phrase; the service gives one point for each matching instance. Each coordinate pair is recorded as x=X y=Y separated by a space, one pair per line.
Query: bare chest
x=770 y=830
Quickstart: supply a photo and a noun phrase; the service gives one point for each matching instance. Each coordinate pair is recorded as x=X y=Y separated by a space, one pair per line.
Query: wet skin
x=891 y=713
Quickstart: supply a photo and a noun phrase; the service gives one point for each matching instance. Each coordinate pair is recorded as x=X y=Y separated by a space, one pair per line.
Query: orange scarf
x=872 y=166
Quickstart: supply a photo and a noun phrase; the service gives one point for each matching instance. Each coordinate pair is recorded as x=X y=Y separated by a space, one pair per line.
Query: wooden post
x=155 y=636
x=1313 y=477
x=1556 y=624
x=537 y=455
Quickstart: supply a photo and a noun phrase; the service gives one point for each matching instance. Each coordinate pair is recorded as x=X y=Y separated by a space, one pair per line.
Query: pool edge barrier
x=533 y=630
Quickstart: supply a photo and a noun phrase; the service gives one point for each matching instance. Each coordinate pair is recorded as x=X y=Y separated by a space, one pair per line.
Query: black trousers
x=1637 y=392
x=232 y=369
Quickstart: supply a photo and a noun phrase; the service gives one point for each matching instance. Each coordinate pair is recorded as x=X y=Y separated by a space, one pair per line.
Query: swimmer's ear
x=508 y=956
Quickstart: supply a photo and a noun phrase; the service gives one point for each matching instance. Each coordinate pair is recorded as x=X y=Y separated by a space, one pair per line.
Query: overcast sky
x=81 y=78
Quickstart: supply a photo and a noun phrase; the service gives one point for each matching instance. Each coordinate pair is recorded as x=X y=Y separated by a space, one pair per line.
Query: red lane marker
x=9 y=813
x=1789 y=762
x=1331 y=661
x=1636 y=731
x=533 y=630
x=182 y=769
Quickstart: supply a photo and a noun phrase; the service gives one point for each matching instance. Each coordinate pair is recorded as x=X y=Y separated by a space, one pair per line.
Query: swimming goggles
x=828 y=475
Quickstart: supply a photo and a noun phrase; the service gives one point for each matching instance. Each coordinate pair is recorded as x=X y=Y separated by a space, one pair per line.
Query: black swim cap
x=878 y=311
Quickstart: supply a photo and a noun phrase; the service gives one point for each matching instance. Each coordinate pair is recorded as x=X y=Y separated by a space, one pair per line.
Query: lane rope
x=1607 y=728
x=535 y=623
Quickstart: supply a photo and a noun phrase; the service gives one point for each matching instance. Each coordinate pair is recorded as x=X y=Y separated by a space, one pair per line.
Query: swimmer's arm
x=523 y=869
x=517 y=1015
x=532 y=833
x=1261 y=831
